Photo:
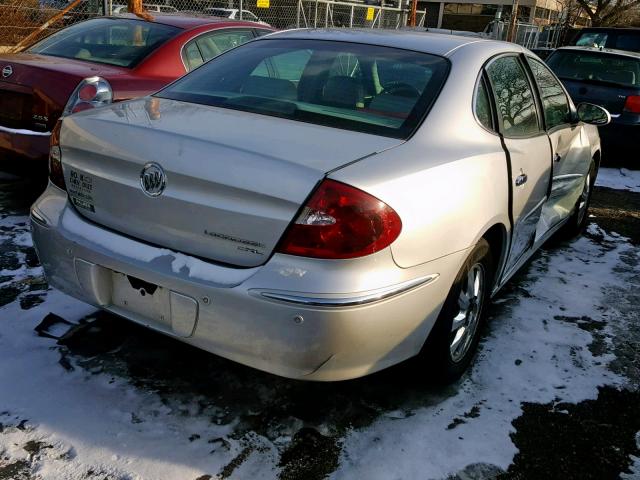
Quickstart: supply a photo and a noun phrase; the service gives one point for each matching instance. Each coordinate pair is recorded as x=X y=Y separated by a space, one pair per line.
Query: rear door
x=570 y=147
x=528 y=150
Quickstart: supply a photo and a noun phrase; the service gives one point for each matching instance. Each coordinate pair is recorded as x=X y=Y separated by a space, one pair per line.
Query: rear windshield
x=379 y=90
x=597 y=67
x=121 y=42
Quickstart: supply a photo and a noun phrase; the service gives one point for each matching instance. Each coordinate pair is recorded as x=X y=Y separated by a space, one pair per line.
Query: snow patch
x=619 y=179
x=123 y=246
x=90 y=422
x=535 y=352
x=208 y=272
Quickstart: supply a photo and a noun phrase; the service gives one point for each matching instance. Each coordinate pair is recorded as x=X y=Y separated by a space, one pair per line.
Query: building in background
x=475 y=17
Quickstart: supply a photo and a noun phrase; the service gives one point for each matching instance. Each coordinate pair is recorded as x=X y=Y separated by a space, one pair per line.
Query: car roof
x=612 y=29
x=613 y=51
x=434 y=43
x=185 y=22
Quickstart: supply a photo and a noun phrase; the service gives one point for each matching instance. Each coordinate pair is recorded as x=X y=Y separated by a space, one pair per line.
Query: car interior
x=350 y=83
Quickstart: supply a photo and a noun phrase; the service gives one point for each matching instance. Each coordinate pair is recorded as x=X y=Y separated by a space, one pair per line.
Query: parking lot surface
x=553 y=393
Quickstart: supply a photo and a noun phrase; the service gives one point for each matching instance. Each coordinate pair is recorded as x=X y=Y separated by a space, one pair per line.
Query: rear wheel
x=453 y=341
x=579 y=218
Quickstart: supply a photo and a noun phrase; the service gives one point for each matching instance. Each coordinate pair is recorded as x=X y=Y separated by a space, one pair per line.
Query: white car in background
x=233 y=14
x=120 y=9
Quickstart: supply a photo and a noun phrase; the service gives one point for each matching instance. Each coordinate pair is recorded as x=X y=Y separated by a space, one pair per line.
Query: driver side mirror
x=593 y=114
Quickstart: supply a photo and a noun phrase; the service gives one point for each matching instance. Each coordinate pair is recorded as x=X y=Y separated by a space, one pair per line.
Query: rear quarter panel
x=446 y=200
x=449 y=182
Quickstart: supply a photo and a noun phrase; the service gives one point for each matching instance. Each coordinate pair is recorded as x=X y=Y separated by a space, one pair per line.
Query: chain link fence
x=23 y=22
x=528 y=35
x=26 y=21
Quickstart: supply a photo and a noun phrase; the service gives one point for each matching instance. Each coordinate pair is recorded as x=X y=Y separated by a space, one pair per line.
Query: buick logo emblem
x=7 y=71
x=152 y=179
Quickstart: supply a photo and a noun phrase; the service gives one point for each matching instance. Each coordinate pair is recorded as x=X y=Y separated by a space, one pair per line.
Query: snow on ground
x=82 y=426
x=619 y=178
x=61 y=421
x=535 y=353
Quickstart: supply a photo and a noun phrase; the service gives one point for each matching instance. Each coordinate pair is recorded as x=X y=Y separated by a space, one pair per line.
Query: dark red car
x=96 y=62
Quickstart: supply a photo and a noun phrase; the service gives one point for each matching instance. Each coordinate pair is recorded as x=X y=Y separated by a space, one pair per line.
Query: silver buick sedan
x=321 y=204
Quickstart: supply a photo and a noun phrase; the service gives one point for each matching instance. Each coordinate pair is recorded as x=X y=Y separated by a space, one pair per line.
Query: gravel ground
x=554 y=392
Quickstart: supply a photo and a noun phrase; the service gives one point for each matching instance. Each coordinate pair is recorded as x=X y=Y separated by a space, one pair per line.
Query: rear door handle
x=521 y=179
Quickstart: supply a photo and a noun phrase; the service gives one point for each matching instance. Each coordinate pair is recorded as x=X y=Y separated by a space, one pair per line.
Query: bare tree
x=609 y=12
x=569 y=12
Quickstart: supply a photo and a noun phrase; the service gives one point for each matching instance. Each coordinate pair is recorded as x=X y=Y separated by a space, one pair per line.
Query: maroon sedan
x=97 y=62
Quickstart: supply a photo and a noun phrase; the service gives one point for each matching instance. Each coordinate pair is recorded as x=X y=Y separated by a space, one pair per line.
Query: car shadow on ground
x=317 y=414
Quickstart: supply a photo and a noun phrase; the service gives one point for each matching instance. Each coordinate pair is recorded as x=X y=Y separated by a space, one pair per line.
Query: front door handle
x=521 y=179
x=557 y=157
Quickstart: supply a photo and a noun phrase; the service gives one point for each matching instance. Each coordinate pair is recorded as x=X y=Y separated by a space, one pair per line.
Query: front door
x=569 y=146
x=528 y=150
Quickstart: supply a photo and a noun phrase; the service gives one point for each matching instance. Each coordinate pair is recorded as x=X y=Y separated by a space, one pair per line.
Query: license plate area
x=142 y=298
x=14 y=108
x=157 y=306
x=139 y=300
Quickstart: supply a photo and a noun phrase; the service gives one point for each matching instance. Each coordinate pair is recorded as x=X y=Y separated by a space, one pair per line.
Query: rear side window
x=628 y=41
x=514 y=98
x=217 y=42
x=367 y=88
x=554 y=101
x=482 y=106
x=592 y=39
x=596 y=67
x=191 y=55
x=209 y=45
x=121 y=42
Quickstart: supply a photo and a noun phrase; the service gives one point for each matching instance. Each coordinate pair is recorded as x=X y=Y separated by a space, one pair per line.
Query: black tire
x=437 y=356
x=578 y=220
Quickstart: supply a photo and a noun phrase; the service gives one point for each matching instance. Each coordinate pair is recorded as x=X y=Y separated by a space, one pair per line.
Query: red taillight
x=87 y=92
x=81 y=107
x=340 y=221
x=632 y=104
x=91 y=92
x=56 y=174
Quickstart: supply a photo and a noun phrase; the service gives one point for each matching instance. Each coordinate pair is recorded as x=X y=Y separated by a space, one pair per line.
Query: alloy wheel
x=465 y=323
x=583 y=202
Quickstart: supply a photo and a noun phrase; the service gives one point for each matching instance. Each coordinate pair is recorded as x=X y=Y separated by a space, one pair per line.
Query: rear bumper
x=24 y=151
x=294 y=317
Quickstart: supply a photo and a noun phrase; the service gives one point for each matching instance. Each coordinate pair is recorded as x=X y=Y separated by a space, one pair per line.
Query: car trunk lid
x=610 y=96
x=234 y=180
x=35 y=88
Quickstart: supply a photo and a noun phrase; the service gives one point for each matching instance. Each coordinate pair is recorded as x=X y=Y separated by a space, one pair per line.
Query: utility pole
x=511 y=33
x=413 y=14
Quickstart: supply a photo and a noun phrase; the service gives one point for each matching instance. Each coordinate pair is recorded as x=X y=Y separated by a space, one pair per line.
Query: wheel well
x=596 y=158
x=496 y=237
